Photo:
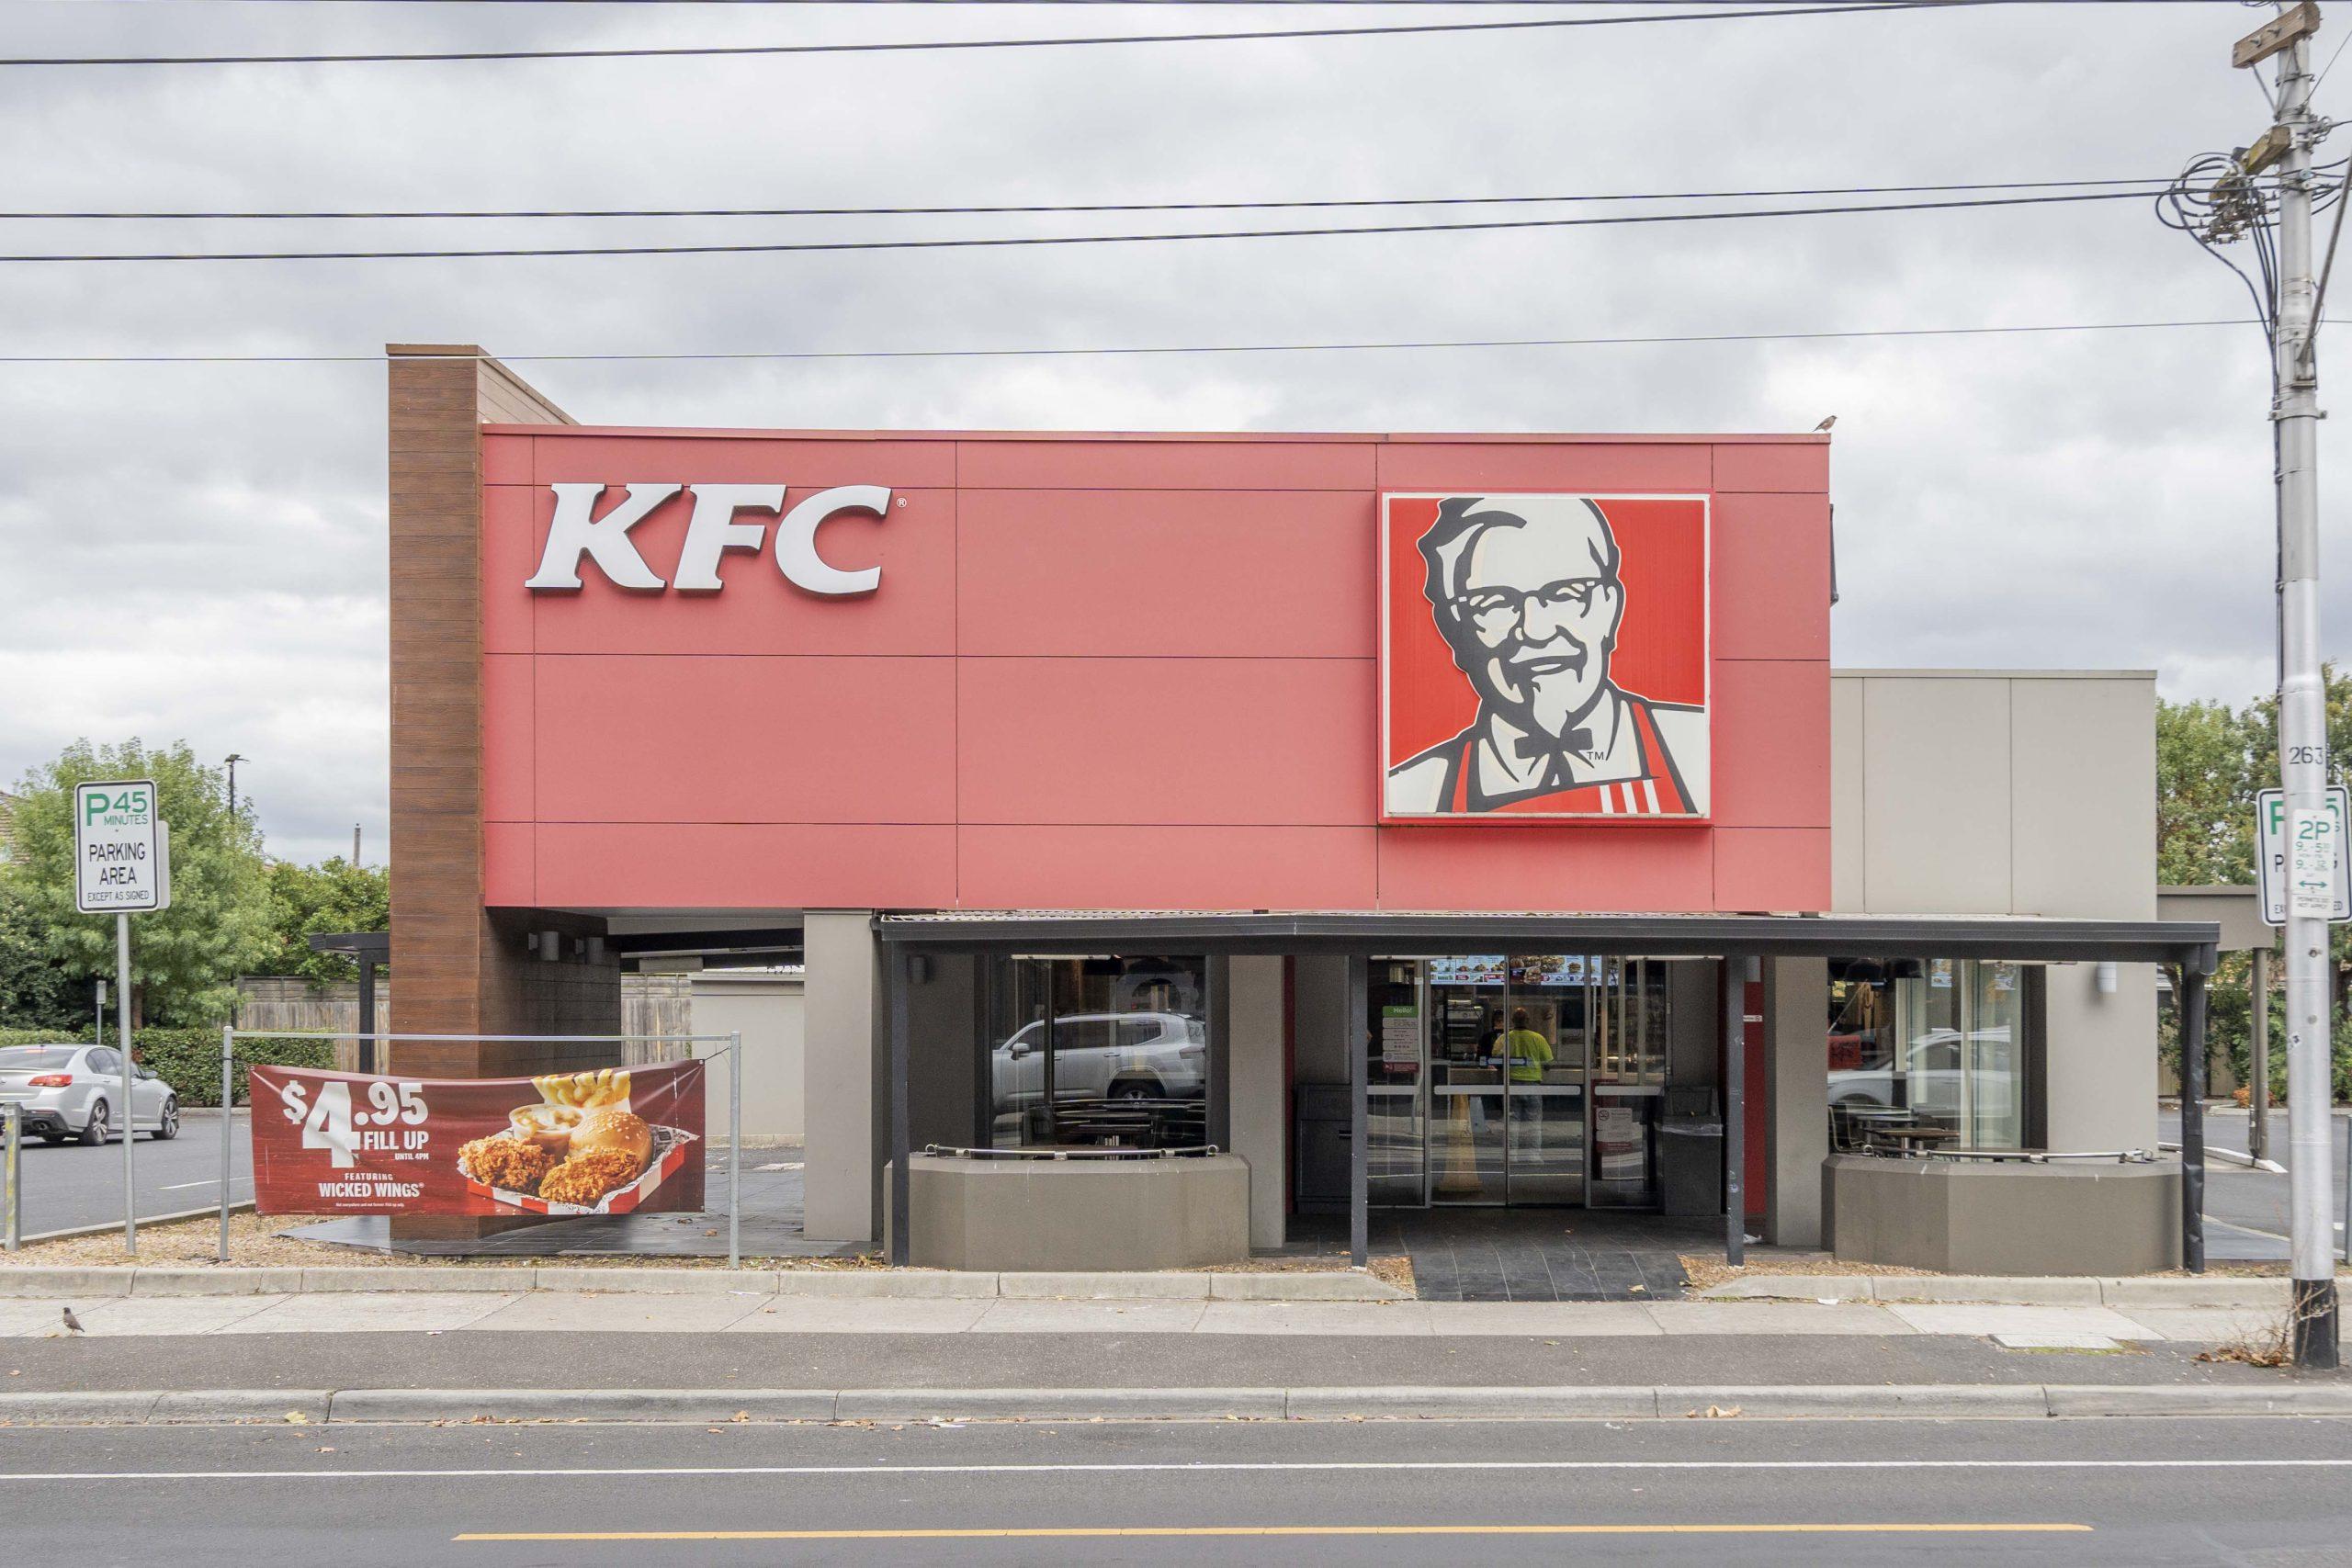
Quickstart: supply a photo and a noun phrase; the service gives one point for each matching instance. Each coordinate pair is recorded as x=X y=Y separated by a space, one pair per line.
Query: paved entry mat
x=1526 y=1254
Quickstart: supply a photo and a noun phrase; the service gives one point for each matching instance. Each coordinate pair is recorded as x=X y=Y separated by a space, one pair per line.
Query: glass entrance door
x=1540 y=1083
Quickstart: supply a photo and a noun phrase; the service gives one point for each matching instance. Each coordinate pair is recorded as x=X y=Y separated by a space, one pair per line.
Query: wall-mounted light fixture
x=2104 y=973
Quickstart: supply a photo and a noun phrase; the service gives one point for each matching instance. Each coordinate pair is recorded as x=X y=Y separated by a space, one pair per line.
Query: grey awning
x=1398 y=934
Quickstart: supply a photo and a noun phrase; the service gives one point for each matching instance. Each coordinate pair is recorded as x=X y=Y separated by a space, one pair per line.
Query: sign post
x=122 y=867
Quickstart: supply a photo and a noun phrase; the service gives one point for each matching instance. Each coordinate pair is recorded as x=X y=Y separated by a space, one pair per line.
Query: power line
x=1407 y=345
x=2148 y=186
x=916 y=45
x=1000 y=241
x=1205 y=4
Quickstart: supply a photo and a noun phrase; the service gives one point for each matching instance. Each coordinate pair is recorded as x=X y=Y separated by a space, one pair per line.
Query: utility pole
x=2302 y=726
x=2216 y=200
x=233 y=760
x=2302 y=696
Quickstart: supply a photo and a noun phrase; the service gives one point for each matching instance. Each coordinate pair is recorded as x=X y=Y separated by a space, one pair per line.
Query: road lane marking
x=1175 y=1467
x=207 y=1181
x=1192 y=1531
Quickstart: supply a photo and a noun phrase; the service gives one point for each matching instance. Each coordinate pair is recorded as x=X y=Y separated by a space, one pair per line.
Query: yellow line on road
x=1190 y=1530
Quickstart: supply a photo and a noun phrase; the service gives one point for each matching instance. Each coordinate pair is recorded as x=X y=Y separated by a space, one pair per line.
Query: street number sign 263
x=119 y=854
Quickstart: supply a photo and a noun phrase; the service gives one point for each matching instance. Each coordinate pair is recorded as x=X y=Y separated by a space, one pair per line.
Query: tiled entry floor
x=1526 y=1254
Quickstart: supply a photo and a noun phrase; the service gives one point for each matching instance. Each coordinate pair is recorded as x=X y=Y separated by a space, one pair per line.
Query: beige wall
x=1993 y=793
x=1254 y=1027
x=842 y=1069
x=2015 y=792
x=766 y=1006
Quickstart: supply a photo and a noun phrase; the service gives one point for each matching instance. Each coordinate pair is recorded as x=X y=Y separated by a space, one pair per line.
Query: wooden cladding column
x=457 y=977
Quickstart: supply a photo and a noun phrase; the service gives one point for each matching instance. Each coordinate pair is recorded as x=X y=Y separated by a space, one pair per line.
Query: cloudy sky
x=198 y=550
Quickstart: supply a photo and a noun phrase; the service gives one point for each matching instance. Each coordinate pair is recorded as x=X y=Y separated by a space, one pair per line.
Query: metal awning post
x=367 y=1063
x=1734 y=1000
x=896 y=978
x=735 y=1149
x=1359 y=1093
x=2192 y=1117
x=227 y=1120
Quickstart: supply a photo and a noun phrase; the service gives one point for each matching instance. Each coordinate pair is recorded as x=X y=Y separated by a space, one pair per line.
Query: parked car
x=1123 y=1056
x=1932 y=1086
x=75 y=1091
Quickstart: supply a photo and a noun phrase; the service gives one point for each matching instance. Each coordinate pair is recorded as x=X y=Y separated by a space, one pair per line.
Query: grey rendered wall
x=943 y=1017
x=840 y=1073
x=1319 y=998
x=1697 y=1026
x=2023 y=793
x=767 y=1010
x=1797 y=1132
x=1255 y=1018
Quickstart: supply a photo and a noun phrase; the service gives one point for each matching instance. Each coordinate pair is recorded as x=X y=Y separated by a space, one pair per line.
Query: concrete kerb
x=2200 y=1291
x=411 y=1406
x=58 y=1283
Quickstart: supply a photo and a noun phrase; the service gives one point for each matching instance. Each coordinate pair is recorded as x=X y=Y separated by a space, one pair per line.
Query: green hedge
x=189 y=1059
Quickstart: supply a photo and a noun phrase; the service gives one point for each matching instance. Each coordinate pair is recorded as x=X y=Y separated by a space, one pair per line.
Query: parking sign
x=118 y=861
x=2328 y=876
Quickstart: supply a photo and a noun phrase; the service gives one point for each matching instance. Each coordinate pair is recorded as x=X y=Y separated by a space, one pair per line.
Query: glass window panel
x=1098 y=1052
x=1996 y=1081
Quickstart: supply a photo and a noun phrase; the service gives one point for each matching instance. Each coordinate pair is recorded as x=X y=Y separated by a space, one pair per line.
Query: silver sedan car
x=75 y=1091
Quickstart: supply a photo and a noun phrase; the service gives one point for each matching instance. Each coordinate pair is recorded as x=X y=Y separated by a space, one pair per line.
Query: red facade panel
x=1172 y=741
x=1100 y=671
x=748 y=740
x=1167 y=868
x=1239 y=573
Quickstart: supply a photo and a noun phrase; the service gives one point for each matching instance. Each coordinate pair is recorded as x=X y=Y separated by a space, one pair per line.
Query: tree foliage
x=317 y=900
x=184 y=960
x=36 y=991
x=2210 y=761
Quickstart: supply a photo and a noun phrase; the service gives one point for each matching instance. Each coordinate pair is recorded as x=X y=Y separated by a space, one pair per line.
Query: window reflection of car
x=1128 y=1055
x=1931 y=1086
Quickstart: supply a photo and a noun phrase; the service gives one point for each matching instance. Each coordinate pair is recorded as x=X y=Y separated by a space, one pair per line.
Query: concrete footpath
x=370 y=1344
x=2049 y=1314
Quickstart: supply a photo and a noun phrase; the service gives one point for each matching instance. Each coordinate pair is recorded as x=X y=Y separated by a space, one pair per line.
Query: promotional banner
x=612 y=1141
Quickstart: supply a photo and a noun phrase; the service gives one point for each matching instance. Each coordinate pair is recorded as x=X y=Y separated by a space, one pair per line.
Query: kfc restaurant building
x=1187 y=837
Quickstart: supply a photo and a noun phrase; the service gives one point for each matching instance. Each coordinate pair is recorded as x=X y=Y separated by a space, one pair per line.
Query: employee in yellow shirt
x=1526 y=1052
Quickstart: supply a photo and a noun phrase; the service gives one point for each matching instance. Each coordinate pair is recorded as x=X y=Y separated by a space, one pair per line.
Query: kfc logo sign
x=1544 y=656
x=726 y=517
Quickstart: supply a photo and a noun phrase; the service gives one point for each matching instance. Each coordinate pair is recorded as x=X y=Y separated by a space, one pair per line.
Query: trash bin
x=1690 y=1169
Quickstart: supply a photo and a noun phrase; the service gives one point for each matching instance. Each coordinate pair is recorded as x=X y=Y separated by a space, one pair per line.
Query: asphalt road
x=67 y=1185
x=2246 y=1209
x=2078 y=1494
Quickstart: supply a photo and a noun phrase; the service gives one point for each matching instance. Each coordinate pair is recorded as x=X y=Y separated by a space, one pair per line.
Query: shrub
x=189 y=1059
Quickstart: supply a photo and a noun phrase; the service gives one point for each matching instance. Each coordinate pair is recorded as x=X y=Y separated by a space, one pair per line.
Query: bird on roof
x=1827 y=423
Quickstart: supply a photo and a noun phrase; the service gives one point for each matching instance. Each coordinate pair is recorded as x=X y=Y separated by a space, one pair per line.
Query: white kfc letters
x=712 y=530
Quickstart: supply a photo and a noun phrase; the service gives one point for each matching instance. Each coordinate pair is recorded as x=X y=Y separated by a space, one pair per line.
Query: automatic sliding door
x=1467 y=1111
x=1546 y=1044
x=1396 y=1113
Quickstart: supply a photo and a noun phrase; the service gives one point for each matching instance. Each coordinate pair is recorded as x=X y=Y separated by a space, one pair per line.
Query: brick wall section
x=463 y=970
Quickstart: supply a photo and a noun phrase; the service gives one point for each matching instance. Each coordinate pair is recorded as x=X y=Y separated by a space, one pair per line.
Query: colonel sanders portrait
x=1527 y=593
